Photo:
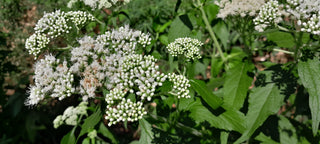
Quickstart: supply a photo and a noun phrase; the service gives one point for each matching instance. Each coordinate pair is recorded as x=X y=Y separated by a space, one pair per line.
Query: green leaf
x=309 y=73
x=90 y=122
x=222 y=33
x=200 y=87
x=264 y=139
x=105 y=132
x=69 y=138
x=180 y=27
x=228 y=120
x=211 y=11
x=282 y=39
x=86 y=141
x=263 y=102
x=146 y=132
x=287 y=131
x=237 y=84
x=224 y=137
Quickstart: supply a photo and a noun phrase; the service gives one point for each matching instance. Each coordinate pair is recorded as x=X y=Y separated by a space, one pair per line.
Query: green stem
x=299 y=40
x=62 y=49
x=208 y=26
x=284 y=51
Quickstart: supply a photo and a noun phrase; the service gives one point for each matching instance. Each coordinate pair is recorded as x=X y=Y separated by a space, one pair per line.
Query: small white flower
x=185 y=46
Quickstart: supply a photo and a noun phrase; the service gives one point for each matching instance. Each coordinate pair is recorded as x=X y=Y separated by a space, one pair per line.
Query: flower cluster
x=108 y=61
x=180 y=85
x=185 y=46
x=307 y=12
x=52 y=25
x=98 y=3
x=126 y=110
x=51 y=78
x=70 y=115
x=269 y=14
x=239 y=7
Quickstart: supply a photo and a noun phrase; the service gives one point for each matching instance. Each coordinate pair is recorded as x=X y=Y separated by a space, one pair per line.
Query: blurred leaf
x=90 y=122
x=105 y=132
x=282 y=39
x=69 y=138
x=237 y=84
x=222 y=33
x=86 y=141
x=309 y=73
x=146 y=132
x=211 y=11
x=264 y=139
x=216 y=66
x=263 y=101
x=179 y=28
x=164 y=39
x=287 y=131
x=224 y=137
x=200 y=87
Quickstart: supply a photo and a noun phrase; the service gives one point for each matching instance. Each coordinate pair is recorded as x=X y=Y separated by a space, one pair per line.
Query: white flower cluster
x=98 y=3
x=180 y=85
x=269 y=14
x=185 y=46
x=70 y=115
x=52 y=25
x=124 y=40
x=108 y=61
x=51 y=78
x=126 y=110
x=36 y=42
x=307 y=12
x=239 y=7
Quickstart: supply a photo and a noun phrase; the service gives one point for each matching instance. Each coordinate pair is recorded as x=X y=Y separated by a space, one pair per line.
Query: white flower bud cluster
x=124 y=40
x=98 y=3
x=140 y=71
x=115 y=94
x=70 y=115
x=36 y=42
x=126 y=110
x=51 y=78
x=269 y=14
x=52 y=25
x=239 y=7
x=188 y=47
x=307 y=13
x=180 y=85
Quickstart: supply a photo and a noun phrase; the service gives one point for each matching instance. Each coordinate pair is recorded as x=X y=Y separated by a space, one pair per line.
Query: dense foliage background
x=254 y=87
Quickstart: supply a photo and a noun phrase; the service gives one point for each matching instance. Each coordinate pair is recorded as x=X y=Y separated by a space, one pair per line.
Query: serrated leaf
x=146 y=132
x=282 y=39
x=237 y=84
x=90 y=122
x=263 y=102
x=105 y=132
x=200 y=87
x=228 y=120
x=180 y=27
x=287 y=131
x=309 y=73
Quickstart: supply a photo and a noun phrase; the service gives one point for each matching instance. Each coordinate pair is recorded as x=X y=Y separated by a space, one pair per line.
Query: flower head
x=185 y=46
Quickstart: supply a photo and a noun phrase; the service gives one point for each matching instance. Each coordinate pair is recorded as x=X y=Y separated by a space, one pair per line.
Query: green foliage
x=309 y=73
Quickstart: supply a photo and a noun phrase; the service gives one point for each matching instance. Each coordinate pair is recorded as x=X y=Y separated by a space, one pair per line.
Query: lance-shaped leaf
x=263 y=102
x=287 y=131
x=146 y=132
x=200 y=87
x=237 y=84
x=309 y=73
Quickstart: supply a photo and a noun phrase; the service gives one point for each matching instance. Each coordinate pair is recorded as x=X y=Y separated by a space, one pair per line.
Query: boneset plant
x=208 y=87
